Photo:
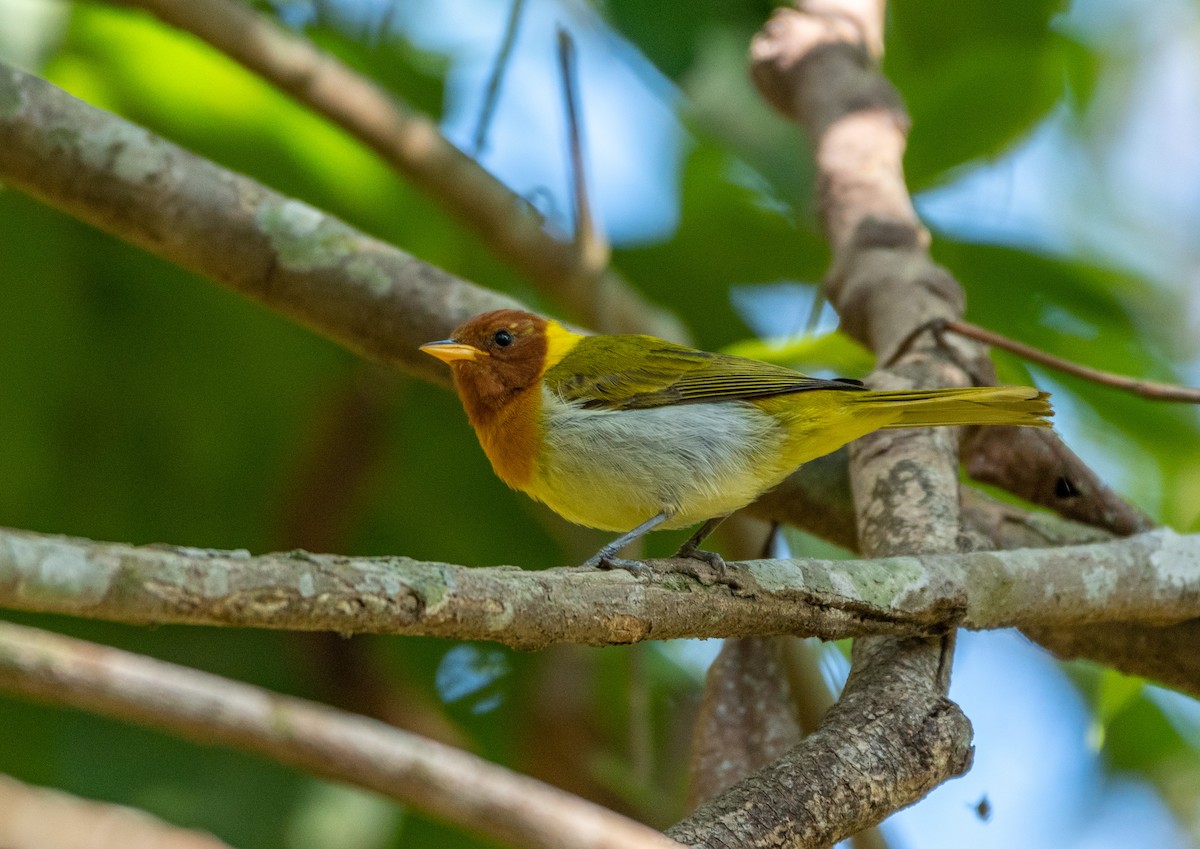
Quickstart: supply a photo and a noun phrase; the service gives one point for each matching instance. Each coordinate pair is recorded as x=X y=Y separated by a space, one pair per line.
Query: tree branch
x=1166 y=655
x=815 y=69
x=412 y=144
x=1148 y=579
x=446 y=782
x=859 y=762
x=42 y=818
x=817 y=66
x=747 y=717
x=371 y=297
x=1145 y=388
x=491 y=93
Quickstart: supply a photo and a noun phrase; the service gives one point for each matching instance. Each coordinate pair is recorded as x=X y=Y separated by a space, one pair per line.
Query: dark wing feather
x=635 y=372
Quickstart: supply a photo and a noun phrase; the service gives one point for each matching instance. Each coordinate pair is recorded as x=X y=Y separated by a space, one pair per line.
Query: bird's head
x=497 y=355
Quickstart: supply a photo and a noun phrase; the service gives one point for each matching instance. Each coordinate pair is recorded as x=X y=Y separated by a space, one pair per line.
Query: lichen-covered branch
x=1149 y=579
x=818 y=67
x=411 y=142
x=446 y=782
x=369 y=296
x=892 y=736
x=859 y=762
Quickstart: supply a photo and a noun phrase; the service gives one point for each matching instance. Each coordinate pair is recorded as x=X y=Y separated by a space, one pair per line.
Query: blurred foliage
x=140 y=403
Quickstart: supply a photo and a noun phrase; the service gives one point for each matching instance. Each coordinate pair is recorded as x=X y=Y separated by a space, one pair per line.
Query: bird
x=631 y=433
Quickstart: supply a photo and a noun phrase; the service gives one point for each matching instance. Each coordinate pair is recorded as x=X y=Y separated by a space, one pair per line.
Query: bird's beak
x=447 y=350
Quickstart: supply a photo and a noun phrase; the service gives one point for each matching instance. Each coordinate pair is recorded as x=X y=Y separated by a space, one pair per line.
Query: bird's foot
x=603 y=559
x=690 y=560
x=690 y=552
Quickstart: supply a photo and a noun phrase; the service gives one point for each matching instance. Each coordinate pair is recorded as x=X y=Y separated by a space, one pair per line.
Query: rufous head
x=494 y=356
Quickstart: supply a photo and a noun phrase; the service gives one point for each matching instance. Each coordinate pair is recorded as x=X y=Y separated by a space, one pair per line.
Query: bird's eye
x=502 y=338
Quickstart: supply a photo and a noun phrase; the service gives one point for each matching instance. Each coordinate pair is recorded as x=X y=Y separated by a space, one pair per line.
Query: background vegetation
x=140 y=403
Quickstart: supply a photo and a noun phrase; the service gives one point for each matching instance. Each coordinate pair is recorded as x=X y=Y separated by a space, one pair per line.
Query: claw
x=604 y=560
x=720 y=574
x=637 y=567
x=716 y=561
x=710 y=557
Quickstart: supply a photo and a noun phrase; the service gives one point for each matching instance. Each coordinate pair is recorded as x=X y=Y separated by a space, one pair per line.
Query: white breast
x=615 y=469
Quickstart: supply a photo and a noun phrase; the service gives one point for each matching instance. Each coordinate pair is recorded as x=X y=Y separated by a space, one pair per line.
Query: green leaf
x=835 y=351
x=976 y=76
x=671 y=34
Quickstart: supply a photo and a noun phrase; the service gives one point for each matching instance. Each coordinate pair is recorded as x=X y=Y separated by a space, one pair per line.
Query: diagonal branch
x=491 y=94
x=446 y=782
x=371 y=297
x=835 y=782
x=1144 y=388
x=815 y=69
x=411 y=142
x=869 y=757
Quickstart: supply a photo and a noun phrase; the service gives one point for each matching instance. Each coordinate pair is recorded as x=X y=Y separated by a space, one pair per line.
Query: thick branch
x=411 y=143
x=869 y=757
x=747 y=717
x=447 y=782
x=904 y=483
x=42 y=818
x=1049 y=473
x=1148 y=579
x=817 y=498
x=1169 y=656
x=856 y=764
x=365 y=294
x=816 y=69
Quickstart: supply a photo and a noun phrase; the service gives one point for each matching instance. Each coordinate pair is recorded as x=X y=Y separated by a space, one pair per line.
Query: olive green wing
x=635 y=372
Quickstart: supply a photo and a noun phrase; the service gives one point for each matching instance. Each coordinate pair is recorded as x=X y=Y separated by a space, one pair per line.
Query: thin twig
x=411 y=142
x=1145 y=388
x=449 y=783
x=593 y=247
x=491 y=95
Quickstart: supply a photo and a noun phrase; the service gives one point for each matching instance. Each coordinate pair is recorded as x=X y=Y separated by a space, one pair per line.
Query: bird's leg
x=606 y=558
x=691 y=548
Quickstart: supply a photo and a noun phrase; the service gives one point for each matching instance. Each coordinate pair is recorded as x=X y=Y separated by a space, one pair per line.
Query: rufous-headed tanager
x=632 y=433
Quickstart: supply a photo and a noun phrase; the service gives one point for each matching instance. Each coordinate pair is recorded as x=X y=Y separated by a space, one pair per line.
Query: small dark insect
x=983 y=809
x=1063 y=488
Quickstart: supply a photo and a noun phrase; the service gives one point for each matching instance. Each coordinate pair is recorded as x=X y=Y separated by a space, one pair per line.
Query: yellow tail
x=976 y=405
